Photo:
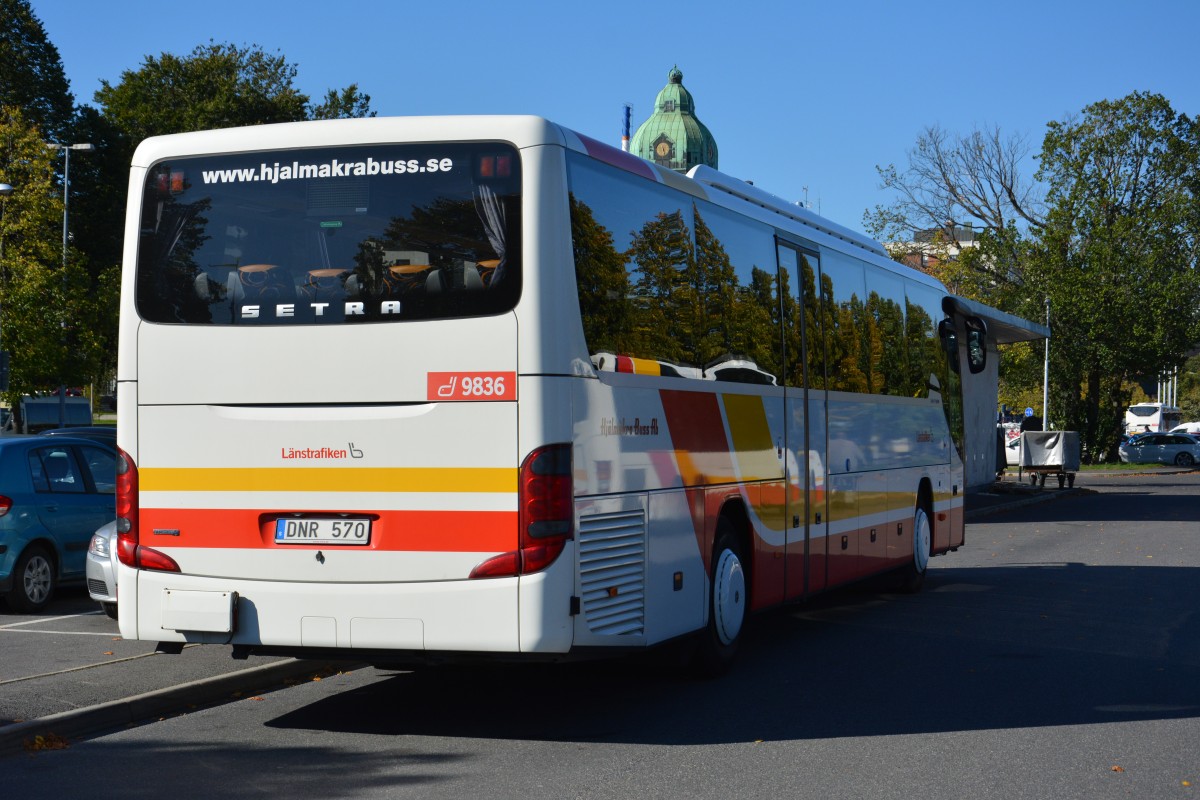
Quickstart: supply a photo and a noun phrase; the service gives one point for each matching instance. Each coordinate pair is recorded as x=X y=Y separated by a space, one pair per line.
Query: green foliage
x=1117 y=257
x=215 y=86
x=1189 y=390
x=57 y=322
x=32 y=80
x=31 y=73
x=1113 y=246
x=349 y=103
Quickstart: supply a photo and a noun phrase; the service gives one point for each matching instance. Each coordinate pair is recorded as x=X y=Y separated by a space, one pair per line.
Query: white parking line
x=110 y=634
x=41 y=620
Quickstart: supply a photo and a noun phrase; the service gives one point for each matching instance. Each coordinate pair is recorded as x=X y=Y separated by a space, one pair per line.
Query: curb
x=60 y=729
x=1142 y=472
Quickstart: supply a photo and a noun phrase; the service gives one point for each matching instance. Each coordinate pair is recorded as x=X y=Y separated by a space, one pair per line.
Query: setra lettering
x=351 y=308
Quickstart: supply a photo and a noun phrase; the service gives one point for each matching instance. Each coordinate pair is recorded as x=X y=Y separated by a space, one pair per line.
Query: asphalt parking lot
x=67 y=674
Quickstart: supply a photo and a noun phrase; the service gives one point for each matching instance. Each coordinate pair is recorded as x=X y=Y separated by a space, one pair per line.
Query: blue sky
x=798 y=94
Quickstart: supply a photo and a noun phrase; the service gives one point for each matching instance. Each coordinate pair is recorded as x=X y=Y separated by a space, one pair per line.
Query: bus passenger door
x=805 y=427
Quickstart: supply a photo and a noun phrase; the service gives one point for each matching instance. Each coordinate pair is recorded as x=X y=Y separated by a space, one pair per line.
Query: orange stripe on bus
x=327 y=479
x=424 y=531
x=698 y=436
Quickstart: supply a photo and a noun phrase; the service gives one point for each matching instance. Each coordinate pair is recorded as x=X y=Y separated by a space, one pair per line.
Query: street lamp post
x=66 y=148
x=1046 y=375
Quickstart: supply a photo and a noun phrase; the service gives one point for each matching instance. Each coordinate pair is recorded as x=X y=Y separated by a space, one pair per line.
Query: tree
x=31 y=73
x=349 y=103
x=1113 y=246
x=1118 y=255
x=56 y=320
x=1189 y=389
x=37 y=293
x=955 y=183
x=32 y=80
x=216 y=86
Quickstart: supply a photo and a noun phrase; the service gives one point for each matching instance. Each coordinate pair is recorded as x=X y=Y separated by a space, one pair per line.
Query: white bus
x=1151 y=418
x=393 y=389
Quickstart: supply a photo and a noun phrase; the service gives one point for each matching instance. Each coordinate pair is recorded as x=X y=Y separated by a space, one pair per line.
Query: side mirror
x=976 y=344
x=949 y=339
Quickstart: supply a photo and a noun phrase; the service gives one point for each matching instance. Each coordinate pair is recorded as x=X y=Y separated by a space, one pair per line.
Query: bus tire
x=913 y=575
x=728 y=604
x=33 y=581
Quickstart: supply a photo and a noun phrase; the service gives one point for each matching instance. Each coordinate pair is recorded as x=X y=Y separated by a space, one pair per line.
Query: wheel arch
x=734 y=511
x=925 y=501
x=48 y=546
x=925 y=497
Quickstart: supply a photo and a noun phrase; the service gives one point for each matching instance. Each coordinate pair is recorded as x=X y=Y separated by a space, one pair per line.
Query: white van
x=1187 y=427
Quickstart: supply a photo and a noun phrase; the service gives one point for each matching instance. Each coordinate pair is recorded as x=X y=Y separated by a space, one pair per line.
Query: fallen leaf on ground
x=51 y=741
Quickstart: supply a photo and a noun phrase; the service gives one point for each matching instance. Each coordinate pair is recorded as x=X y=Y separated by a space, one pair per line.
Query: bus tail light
x=127 y=509
x=546 y=514
x=129 y=551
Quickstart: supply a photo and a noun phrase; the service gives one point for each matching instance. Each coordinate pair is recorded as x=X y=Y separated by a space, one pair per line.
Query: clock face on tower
x=662 y=149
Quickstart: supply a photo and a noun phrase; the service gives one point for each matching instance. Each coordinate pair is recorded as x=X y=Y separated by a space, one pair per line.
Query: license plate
x=321 y=530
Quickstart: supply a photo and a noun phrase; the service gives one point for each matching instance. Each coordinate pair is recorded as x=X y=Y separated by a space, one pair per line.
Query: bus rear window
x=332 y=235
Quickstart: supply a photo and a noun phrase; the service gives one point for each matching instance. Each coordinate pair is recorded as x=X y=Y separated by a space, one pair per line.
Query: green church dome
x=673 y=137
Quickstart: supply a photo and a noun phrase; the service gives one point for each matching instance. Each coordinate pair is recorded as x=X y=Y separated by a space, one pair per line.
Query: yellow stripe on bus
x=752 y=446
x=328 y=479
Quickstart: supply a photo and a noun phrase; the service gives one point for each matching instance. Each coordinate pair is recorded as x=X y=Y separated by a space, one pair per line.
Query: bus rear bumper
x=447 y=616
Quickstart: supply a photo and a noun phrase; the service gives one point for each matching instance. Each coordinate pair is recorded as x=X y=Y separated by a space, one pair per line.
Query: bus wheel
x=728 y=605
x=914 y=573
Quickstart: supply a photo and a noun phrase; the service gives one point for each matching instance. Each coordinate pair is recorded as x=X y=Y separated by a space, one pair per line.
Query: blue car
x=54 y=493
x=98 y=433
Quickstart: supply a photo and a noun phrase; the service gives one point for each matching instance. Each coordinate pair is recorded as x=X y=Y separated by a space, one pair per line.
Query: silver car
x=1161 y=448
x=1012 y=451
x=101 y=568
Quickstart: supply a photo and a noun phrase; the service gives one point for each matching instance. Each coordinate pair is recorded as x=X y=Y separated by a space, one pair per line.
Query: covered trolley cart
x=1050 y=453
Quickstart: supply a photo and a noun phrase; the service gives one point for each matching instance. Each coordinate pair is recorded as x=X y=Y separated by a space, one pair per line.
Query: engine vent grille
x=612 y=569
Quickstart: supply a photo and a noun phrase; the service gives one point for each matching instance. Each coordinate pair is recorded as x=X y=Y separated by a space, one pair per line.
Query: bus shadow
x=986 y=648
